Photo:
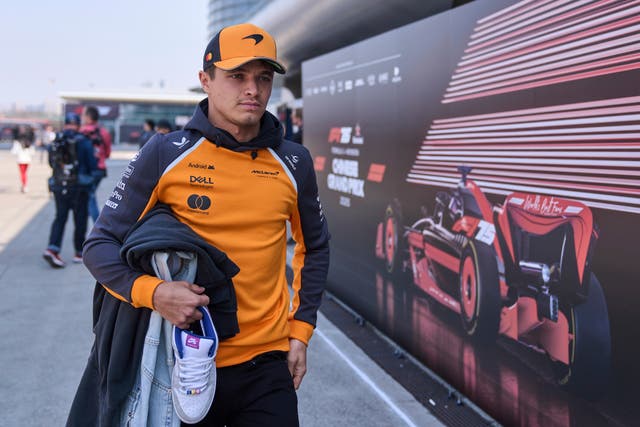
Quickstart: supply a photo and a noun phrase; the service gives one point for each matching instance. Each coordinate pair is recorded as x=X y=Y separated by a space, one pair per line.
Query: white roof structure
x=139 y=97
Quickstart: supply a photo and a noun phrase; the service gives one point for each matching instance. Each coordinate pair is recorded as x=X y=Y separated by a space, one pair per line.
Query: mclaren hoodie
x=237 y=197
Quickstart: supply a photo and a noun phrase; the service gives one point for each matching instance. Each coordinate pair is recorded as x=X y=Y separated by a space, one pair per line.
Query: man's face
x=238 y=98
x=85 y=119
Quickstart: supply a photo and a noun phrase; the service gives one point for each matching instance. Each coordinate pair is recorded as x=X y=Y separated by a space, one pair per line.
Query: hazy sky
x=74 y=45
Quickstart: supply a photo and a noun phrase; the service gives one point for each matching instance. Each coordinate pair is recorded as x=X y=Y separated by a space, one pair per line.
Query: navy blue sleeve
x=311 y=233
x=128 y=200
x=316 y=241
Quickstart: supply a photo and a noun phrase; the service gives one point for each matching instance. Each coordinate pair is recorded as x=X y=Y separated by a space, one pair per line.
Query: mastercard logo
x=208 y=57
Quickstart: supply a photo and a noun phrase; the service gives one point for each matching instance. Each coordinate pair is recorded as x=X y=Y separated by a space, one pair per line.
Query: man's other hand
x=297 y=360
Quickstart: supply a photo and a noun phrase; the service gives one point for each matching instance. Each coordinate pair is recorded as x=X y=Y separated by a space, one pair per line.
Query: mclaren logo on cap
x=257 y=37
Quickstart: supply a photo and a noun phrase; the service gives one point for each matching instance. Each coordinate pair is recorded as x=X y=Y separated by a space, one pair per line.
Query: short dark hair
x=92 y=112
x=212 y=69
x=151 y=123
x=164 y=124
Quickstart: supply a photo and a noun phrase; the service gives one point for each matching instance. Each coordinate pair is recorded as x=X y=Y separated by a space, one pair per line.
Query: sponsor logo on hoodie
x=265 y=174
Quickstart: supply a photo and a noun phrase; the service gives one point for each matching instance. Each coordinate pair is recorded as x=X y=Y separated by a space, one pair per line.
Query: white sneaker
x=193 y=381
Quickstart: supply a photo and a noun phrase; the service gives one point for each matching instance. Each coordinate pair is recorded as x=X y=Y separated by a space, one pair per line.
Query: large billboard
x=480 y=171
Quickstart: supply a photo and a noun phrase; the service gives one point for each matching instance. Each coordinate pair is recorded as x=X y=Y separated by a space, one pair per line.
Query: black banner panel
x=480 y=172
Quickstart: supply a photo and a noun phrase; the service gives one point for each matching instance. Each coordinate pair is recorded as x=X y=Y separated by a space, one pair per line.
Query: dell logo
x=199 y=202
x=200 y=180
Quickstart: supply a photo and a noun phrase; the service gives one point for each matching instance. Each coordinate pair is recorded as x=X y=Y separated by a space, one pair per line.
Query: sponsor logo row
x=334 y=86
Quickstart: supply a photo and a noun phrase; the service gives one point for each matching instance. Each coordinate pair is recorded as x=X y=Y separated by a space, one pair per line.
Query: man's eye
x=236 y=76
x=265 y=78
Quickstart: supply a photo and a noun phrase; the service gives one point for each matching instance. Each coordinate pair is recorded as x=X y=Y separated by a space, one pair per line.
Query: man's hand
x=177 y=302
x=297 y=360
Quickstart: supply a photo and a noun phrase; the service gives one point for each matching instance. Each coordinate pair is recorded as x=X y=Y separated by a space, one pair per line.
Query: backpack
x=96 y=137
x=63 y=159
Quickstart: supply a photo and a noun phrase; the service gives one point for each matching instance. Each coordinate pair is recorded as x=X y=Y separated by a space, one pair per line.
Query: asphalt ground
x=46 y=319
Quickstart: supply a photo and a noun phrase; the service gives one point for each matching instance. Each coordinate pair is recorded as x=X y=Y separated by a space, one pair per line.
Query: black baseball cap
x=72 y=119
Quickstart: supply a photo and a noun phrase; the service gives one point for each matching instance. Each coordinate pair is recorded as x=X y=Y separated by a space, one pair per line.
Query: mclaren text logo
x=265 y=174
x=198 y=202
x=200 y=180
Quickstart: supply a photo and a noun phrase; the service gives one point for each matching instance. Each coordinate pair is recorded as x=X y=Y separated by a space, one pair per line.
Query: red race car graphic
x=520 y=269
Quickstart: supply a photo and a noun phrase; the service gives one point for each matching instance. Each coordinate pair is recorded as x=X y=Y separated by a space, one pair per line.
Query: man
x=101 y=140
x=296 y=121
x=231 y=177
x=164 y=127
x=73 y=163
x=148 y=130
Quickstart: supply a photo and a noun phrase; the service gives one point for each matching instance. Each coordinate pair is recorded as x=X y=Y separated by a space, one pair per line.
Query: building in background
x=124 y=113
x=229 y=12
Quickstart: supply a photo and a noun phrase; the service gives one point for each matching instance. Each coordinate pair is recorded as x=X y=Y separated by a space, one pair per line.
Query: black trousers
x=74 y=200
x=257 y=393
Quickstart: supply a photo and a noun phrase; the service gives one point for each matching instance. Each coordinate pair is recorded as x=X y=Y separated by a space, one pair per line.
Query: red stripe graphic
x=552 y=43
x=555 y=62
x=548 y=109
x=603 y=10
x=548 y=82
x=523 y=21
x=545 y=43
x=538 y=116
x=588 y=151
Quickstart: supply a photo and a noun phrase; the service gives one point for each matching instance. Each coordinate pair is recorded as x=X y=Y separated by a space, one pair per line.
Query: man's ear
x=204 y=78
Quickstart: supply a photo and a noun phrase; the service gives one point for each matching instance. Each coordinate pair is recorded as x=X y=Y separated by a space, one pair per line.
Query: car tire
x=480 y=301
x=393 y=243
x=589 y=370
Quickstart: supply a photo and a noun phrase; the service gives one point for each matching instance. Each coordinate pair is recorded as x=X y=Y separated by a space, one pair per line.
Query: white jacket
x=24 y=154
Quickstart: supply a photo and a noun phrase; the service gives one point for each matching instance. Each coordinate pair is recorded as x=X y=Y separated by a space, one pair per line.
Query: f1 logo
x=340 y=134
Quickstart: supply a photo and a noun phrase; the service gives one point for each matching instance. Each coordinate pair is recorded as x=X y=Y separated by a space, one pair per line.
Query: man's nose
x=251 y=87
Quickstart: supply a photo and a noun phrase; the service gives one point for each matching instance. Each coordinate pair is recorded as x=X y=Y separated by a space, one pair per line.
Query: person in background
x=163 y=127
x=47 y=135
x=296 y=121
x=70 y=193
x=148 y=130
x=101 y=140
x=251 y=182
x=24 y=150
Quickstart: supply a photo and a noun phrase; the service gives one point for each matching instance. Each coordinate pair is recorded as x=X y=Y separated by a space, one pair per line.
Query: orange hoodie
x=238 y=198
